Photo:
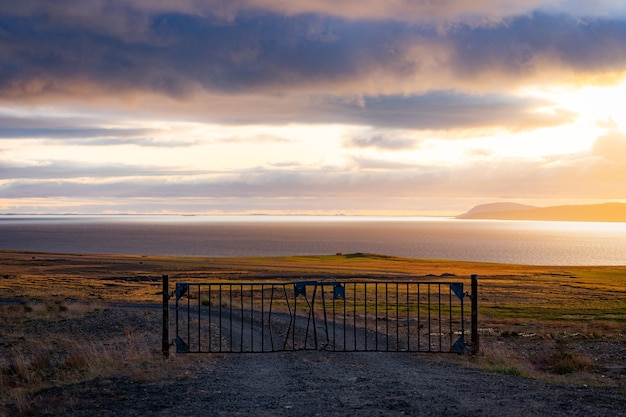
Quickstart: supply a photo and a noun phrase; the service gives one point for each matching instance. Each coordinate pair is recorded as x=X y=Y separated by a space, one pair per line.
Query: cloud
x=257 y=138
x=611 y=147
x=434 y=111
x=70 y=132
x=180 y=51
x=66 y=171
x=596 y=174
x=445 y=110
x=381 y=141
x=173 y=73
x=131 y=16
x=527 y=45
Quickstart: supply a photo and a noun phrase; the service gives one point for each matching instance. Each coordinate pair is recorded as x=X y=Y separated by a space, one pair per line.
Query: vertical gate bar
x=345 y=301
x=325 y=315
x=219 y=292
x=262 y=317
x=354 y=315
x=429 y=321
x=475 y=341
x=463 y=316
x=386 y=316
x=439 y=308
x=312 y=314
x=189 y=316
x=308 y=323
x=450 y=307
x=376 y=285
x=241 y=318
x=295 y=322
x=375 y=315
x=376 y=289
x=269 y=317
x=365 y=313
x=291 y=315
x=230 y=307
x=177 y=337
x=419 y=317
x=408 y=320
x=165 y=340
x=251 y=318
x=397 y=317
x=334 y=334
x=199 y=326
x=210 y=318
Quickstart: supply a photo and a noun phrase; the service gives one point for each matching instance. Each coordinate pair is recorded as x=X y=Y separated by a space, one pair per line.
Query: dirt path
x=302 y=383
x=336 y=384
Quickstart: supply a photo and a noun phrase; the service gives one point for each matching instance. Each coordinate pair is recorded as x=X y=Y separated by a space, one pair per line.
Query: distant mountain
x=607 y=212
x=495 y=207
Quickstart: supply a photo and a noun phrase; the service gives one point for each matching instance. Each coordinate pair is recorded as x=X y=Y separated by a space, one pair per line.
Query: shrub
x=562 y=360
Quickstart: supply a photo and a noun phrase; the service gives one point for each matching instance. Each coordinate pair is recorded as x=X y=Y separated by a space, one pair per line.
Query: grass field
x=563 y=323
x=505 y=291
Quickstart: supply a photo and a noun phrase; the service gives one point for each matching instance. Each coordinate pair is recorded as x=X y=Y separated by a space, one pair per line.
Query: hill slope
x=607 y=212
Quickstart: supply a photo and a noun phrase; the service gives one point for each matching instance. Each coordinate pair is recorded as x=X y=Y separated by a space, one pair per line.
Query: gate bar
x=474 y=297
x=236 y=294
x=165 y=346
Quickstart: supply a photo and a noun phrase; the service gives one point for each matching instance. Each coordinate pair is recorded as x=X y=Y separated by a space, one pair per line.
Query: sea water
x=523 y=242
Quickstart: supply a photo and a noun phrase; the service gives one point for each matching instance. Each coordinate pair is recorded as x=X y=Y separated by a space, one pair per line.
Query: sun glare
x=591 y=104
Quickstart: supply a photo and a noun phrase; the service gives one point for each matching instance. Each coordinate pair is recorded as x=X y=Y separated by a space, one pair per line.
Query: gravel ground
x=323 y=384
x=306 y=383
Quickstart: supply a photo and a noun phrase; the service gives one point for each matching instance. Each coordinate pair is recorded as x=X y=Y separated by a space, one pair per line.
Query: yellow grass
x=505 y=291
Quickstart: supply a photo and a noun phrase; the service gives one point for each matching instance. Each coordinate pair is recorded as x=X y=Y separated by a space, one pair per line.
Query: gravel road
x=301 y=383
x=336 y=384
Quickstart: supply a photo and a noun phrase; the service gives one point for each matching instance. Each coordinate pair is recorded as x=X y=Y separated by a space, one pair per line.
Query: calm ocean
x=524 y=242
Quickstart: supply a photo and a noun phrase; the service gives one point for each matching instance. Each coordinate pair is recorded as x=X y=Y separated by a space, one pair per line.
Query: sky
x=355 y=107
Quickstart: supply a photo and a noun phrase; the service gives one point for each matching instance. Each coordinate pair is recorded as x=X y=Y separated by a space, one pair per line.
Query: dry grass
x=43 y=345
x=539 y=322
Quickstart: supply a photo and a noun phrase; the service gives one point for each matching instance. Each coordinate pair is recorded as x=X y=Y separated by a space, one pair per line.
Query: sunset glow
x=212 y=107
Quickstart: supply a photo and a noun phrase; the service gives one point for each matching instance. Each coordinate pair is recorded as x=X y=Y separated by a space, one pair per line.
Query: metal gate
x=332 y=315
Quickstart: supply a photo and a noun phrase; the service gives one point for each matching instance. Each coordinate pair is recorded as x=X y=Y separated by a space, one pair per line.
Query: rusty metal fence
x=331 y=315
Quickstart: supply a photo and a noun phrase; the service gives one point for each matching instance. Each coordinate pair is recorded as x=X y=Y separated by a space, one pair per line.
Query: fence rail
x=346 y=316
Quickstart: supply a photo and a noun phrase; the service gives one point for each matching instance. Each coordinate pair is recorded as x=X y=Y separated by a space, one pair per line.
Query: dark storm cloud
x=579 y=44
x=178 y=53
x=181 y=52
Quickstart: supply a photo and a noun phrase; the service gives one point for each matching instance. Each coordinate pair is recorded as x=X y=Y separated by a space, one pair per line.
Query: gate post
x=474 y=298
x=166 y=318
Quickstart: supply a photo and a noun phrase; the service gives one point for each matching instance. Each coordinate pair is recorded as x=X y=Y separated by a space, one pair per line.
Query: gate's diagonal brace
x=457 y=289
x=181 y=346
x=181 y=289
x=459 y=345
